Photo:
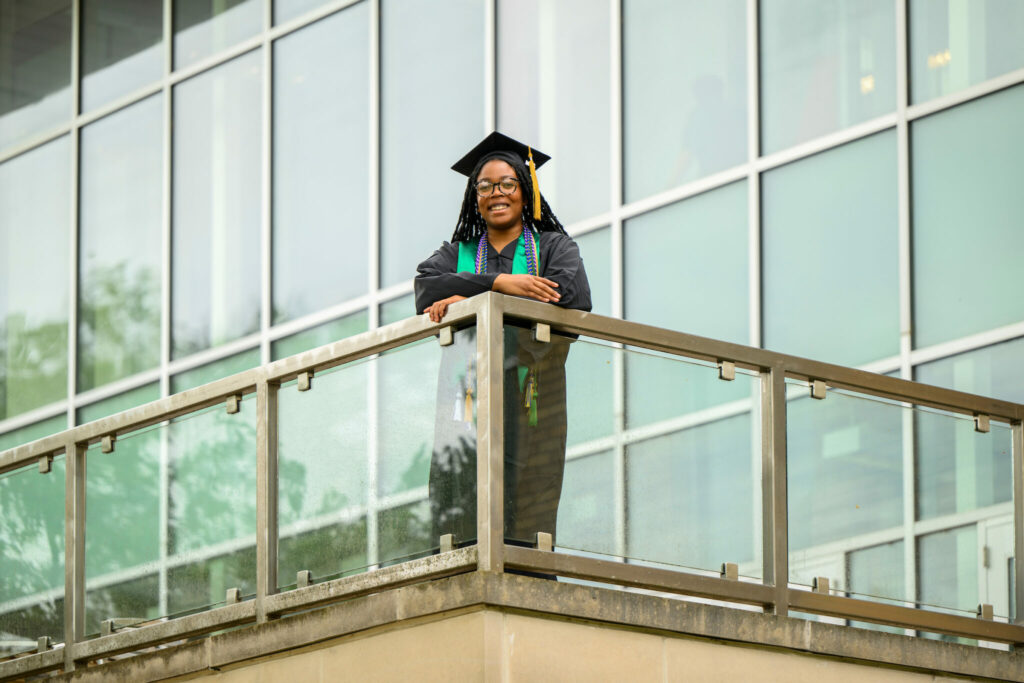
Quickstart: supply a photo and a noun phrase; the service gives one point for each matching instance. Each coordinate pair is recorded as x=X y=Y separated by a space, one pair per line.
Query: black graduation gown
x=534 y=453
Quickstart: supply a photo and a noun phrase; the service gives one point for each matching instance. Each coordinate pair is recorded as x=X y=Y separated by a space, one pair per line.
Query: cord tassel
x=536 y=186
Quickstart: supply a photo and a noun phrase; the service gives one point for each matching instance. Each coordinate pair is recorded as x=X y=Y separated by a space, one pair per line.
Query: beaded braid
x=471 y=224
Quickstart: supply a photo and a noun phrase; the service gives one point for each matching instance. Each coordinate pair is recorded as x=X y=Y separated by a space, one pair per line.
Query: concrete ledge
x=549 y=599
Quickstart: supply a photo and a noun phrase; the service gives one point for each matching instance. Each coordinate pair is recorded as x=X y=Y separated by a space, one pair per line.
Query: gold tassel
x=468 y=412
x=536 y=187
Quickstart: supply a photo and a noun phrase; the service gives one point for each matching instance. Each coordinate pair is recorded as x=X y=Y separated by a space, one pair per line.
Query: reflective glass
x=31 y=557
x=121 y=402
x=590 y=389
x=693 y=496
x=121 y=48
x=994 y=371
x=34 y=218
x=824 y=66
x=322 y=442
x=203 y=27
x=684 y=91
x=844 y=470
x=405 y=533
x=947 y=571
x=432 y=112
x=35 y=68
x=34 y=431
x=216 y=206
x=959 y=469
x=321 y=184
x=120 y=244
x=289 y=9
x=878 y=573
x=588 y=507
x=318 y=336
x=596 y=252
x=966 y=200
x=211 y=372
x=683 y=249
x=830 y=266
x=554 y=93
x=397 y=309
x=957 y=43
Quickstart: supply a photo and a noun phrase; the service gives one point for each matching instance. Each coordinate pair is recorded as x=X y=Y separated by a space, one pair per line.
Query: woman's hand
x=530 y=286
x=437 y=310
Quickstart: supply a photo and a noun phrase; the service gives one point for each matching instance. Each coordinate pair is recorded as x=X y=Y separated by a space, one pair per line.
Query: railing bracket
x=46 y=463
x=981 y=424
x=44 y=643
x=447 y=542
x=542 y=333
x=446 y=336
x=726 y=370
x=232 y=596
x=818 y=389
x=985 y=611
x=730 y=570
x=107 y=444
x=303 y=578
x=544 y=541
x=108 y=626
x=234 y=404
x=305 y=380
x=820 y=585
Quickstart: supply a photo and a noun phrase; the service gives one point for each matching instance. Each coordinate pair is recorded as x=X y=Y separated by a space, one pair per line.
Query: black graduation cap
x=499 y=142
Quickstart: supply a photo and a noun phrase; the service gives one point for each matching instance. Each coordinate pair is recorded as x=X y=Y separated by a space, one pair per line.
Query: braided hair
x=471 y=225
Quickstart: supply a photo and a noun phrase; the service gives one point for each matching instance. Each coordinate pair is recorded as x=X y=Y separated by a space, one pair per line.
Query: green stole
x=467 y=264
x=467 y=257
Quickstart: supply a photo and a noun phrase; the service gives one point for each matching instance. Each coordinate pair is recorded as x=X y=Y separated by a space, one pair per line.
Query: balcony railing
x=694 y=467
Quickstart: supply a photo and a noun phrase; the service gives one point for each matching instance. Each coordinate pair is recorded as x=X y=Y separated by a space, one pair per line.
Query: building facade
x=192 y=189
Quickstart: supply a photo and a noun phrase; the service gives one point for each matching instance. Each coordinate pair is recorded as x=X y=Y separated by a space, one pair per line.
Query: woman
x=507 y=240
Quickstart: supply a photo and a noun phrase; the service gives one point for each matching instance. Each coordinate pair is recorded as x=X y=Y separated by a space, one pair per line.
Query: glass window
x=397 y=309
x=121 y=48
x=432 y=95
x=684 y=91
x=681 y=250
x=34 y=217
x=996 y=371
x=289 y=9
x=596 y=251
x=203 y=27
x=586 y=511
x=321 y=334
x=35 y=68
x=120 y=244
x=554 y=92
x=211 y=372
x=321 y=185
x=965 y=164
x=957 y=43
x=825 y=66
x=121 y=402
x=33 y=431
x=830 y=267
x=216 y=244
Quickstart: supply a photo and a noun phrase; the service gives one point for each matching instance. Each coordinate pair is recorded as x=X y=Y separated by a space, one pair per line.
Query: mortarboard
x=498 y=142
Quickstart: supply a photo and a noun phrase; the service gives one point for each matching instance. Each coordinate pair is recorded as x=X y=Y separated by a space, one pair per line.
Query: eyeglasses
x=506 y=186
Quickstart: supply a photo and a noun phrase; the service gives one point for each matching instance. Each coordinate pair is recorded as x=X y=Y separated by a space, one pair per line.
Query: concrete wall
x=493 y=645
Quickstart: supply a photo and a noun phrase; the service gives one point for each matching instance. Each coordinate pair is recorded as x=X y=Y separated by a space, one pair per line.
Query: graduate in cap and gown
x=508 y=240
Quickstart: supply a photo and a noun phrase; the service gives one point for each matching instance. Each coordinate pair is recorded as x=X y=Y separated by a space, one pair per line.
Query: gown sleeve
x=560 y=261
x=436 y=278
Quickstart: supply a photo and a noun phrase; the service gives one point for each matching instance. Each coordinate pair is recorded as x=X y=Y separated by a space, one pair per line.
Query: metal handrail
x=490 y=312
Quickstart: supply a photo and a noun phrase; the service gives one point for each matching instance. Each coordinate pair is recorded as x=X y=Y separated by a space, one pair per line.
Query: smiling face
x=500 y=211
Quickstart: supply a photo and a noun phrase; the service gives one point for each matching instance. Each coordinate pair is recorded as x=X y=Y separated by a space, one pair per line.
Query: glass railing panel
x=323 y=459
x=375 y=462
x=679 y=487
x=31 y=557
x=171 y=521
